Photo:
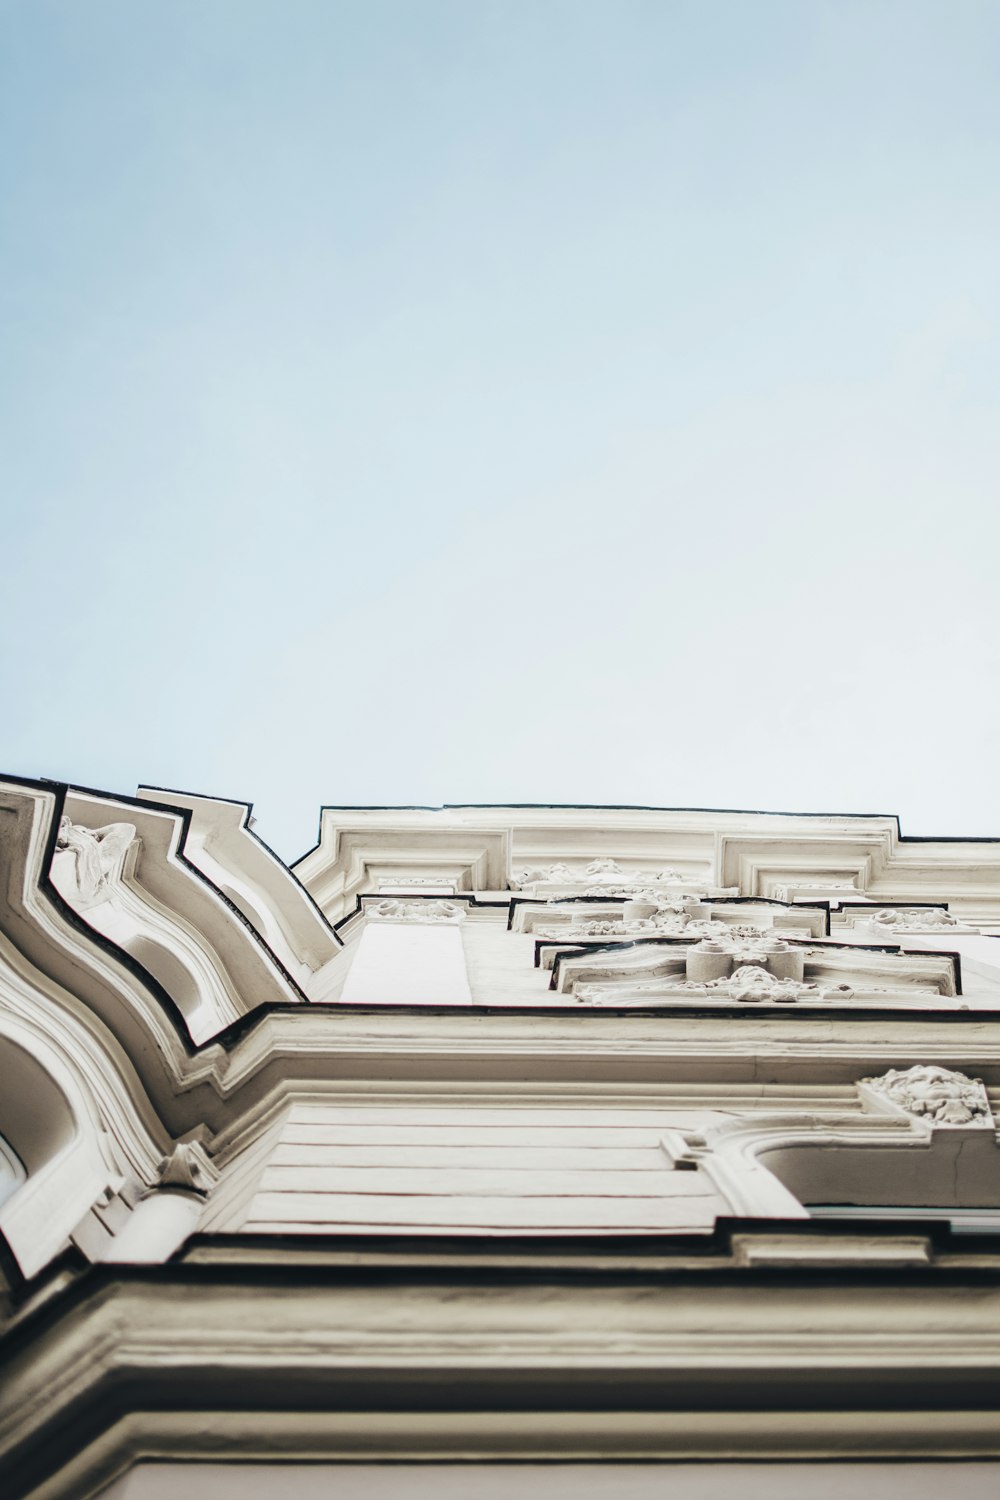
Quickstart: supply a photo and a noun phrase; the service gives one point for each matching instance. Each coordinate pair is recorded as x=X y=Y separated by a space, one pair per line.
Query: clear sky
x=542 y=401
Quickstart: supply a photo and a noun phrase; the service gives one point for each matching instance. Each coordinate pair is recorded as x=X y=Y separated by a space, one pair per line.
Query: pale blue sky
x=525 y=401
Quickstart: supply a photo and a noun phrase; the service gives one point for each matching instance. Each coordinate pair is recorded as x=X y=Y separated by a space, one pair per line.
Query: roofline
x=751 y=812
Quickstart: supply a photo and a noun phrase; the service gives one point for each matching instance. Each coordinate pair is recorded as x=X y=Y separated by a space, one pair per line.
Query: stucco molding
x=935 y=1098
x=319 y=1342
x=765 y=854
x=177 y=922
x=222 y=844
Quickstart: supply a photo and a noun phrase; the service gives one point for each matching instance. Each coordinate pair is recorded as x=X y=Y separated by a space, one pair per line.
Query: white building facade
x=583 y=1146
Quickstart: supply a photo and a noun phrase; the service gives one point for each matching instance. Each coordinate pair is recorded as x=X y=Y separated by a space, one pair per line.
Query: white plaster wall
x=501 y=966
x=408 y=963
x=462 y=1167
x=980 y=956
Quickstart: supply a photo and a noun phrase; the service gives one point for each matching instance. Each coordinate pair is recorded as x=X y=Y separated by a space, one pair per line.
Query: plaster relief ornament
x=718 y=957
x=751 y=946
x=915 y=919
x=623 y=892
x=604 y=877
x=669 y=921
x=572 y=932
x=86 y=860
x=189 y=1169
x=750 y=983
x=934 y=1094
x=545 y=875
x=415 y=911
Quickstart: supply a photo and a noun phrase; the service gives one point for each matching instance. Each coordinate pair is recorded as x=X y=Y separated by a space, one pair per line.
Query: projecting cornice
x=343 y=1349
x=221 y=843
x=173 y=918
x=364 y=850
x=781 y=856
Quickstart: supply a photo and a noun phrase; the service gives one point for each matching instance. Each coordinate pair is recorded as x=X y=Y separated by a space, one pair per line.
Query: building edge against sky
x=489 y=1134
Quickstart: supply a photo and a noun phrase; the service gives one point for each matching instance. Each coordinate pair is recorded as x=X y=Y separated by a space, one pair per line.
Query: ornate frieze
x=891 y=920
x=597 y=872
x=606 y=877
x=751 y=967
x=753 y=942
x=667 y=922
x=939 y=1096
x=414 y=911
x=749 y=984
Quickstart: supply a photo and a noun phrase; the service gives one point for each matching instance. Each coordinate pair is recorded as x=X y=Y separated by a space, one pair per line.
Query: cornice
x=232 y=965
x=329 y=1366
x=756 y=852
x=222 y=843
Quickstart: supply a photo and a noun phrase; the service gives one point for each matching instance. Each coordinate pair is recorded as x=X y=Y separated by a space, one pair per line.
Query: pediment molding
x=359 y=855
x=713 y=972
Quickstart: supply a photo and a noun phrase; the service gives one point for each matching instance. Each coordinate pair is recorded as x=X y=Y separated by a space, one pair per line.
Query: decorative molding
x=393 y=909
x=602 y=875
x=99 y=1013
x=190 y=1168
x=673 y=972
x=785 y=1252
x=716 y=957
x=752 y=983
x=348 y=1374
x=754 y=852
x=686 y=1150
x=933 y=919
x=668 y=922
x=815 y=890
x=221 y=844
x=362 y=849
x=655 y=914
x=938 y=1097
x=172 y=919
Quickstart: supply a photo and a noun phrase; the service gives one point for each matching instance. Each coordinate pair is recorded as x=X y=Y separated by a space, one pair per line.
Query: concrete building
x=493 y=1150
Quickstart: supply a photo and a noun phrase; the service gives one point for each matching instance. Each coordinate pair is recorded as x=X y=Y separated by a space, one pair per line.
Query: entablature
x=566 y=850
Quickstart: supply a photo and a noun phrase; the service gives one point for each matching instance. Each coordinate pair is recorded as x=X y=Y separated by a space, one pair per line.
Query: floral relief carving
x=915 y=919
x=938 y=1095
x=602 y=877
x=750 y=983
x=558 y=874
x=669 y=921
x=719 y=956
x=640 y=891
x=393 y=910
